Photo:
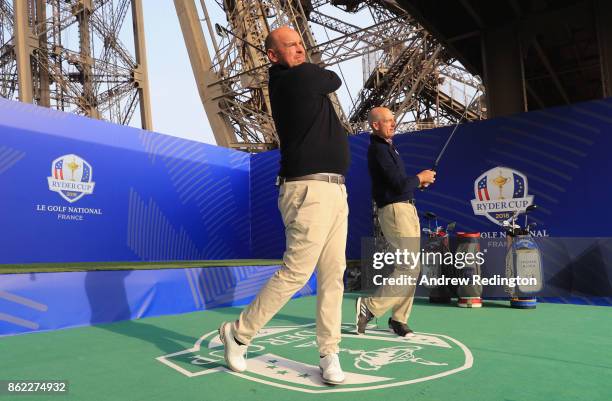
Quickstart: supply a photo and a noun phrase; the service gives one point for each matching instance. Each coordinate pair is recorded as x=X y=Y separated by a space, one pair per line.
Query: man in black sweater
x=312 y=201
x=393 y=191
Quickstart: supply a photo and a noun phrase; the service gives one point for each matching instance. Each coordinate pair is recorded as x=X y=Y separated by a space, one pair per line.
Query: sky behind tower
x=176 y=106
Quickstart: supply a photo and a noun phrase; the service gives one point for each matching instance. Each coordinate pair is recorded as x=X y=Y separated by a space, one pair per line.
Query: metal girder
x=140 y=69
x=23 y=49
x=411 y=65
x=379 y=36
x=201 y=65
x=332 y=23
x=551 y=70
x=400 y=78
x=99 y=78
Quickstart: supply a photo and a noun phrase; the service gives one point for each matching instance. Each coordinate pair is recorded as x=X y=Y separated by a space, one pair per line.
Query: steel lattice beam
x=410 y=65
x=99 y=78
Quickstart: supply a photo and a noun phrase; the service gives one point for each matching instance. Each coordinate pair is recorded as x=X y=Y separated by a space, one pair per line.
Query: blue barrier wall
x=267 y=231
x=49 y=301
x=155 y=197
x=227 y=201
x=561 y=153
x=73 y=189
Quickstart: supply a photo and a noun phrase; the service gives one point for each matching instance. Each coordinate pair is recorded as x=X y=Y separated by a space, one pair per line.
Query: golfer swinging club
x=393 y=190
x=312 y=201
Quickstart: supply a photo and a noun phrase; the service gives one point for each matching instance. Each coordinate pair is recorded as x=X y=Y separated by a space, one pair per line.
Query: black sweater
x=390 y=183
x=312 y=139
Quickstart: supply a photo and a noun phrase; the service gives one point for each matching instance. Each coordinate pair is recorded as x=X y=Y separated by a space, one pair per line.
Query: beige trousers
x=400 y=225
x=315 y=214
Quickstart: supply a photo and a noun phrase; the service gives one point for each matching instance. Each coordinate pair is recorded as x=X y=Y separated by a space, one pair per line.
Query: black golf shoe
x=362 y=316
x=401 y=329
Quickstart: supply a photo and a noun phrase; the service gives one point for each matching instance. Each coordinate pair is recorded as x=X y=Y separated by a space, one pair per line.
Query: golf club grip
x=423 y=187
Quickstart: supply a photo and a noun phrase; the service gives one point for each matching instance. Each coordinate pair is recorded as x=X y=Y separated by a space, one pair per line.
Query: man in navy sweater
x=393 y=191
x=312 y=201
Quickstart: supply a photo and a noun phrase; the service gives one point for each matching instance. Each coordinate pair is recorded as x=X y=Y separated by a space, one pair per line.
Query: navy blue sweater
x=390 y=183
x=312 y=139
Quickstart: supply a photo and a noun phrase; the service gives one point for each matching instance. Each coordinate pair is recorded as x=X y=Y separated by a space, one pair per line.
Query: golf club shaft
x=435 y=165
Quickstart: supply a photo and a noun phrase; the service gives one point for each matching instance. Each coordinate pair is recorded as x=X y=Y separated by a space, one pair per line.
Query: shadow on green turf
x=232 y=313
x=167 y=341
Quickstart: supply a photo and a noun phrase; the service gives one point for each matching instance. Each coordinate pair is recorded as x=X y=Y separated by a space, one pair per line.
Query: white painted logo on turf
x=374 y=360
x=379 y=359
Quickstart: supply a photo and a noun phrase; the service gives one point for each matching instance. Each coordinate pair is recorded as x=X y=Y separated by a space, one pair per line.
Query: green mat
x=178 y=264
x=556 y=352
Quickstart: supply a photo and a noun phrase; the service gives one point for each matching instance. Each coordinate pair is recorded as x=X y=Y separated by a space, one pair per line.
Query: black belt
x=333 y=179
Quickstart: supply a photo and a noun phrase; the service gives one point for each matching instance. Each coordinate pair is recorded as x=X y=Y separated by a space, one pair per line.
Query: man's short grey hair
x=269 y=43
x=371 y=116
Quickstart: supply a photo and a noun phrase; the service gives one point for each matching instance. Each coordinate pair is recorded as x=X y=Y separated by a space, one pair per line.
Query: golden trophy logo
x=71 y=177
x=499 y=192
x=500 y=181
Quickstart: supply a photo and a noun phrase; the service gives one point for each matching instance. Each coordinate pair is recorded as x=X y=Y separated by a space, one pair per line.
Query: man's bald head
x=377 y=114
x=382 y=122
x=284 y=46
x=272 y=38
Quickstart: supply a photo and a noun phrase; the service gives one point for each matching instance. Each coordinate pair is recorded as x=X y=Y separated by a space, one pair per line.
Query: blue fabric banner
x=49 y=301
x=74 y=189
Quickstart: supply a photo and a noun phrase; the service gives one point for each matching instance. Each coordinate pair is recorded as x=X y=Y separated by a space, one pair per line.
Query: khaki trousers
x=400 y=225
x=315 y=215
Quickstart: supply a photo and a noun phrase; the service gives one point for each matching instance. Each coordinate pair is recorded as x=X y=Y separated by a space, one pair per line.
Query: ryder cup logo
x=286 y=357
x=500 y=192
x=71 y=177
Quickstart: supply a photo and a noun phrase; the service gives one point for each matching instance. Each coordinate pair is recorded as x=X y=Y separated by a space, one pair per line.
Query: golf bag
x=523 y=259
x=433 y=266
x=469 y=295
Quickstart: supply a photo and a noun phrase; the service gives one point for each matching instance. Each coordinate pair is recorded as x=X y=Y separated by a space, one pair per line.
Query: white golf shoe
x=234 y=352
x=331 y=372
